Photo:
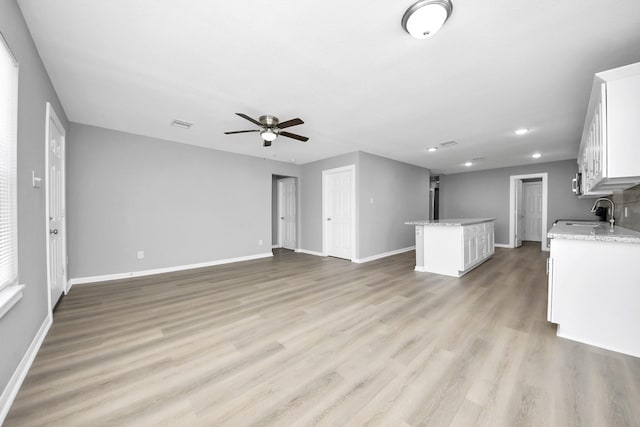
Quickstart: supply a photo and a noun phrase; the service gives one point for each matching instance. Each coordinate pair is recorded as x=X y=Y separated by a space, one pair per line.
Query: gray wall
x=19 y=326
x=179 y=203
x=311 y=198
x=486 y=194
x=400 y=193
x=629 y=199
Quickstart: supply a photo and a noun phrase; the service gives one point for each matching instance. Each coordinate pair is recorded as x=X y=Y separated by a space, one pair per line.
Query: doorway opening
x=528 y=205
x=284 y=212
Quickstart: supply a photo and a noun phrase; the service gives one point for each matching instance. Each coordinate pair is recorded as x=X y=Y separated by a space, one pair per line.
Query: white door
x=519 y=216
x=532 y=209
x=338 y=189
x=287 y=213
x=56 y=224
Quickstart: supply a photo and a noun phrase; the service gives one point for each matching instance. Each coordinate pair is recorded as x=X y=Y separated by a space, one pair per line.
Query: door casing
x=512 y=207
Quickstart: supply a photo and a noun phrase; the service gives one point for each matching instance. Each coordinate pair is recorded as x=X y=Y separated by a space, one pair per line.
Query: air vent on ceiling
x=477 y=159
x=181 y=124
x=448 y=143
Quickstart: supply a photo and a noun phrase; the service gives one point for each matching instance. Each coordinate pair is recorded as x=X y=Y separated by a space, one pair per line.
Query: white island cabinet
x=594 y=285
x=453 y=247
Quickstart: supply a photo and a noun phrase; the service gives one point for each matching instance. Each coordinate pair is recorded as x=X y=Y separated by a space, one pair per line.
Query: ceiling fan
x=271 y=128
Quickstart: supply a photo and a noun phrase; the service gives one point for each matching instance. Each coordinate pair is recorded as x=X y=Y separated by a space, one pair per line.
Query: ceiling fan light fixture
x=268 y=135
x=425 y=17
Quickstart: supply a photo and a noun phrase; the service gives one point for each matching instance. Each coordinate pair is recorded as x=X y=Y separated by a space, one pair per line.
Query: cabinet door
x=550 y=316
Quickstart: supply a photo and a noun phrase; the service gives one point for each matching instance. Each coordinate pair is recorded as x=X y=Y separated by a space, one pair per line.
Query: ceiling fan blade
x=242 y=131
x=294 y=136
x=289 y=123
x=244 y=116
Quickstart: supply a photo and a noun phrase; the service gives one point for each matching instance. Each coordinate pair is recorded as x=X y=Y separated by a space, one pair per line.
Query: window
x=9 y=291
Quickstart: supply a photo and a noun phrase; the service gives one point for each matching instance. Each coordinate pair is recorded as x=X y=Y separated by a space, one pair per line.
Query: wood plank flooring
x=304 y=340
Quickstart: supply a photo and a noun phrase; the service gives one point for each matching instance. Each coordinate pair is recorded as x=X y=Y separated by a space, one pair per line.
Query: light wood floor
x=304 y=340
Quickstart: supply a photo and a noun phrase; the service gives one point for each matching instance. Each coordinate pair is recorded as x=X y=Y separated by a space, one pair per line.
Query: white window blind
x=8 y=169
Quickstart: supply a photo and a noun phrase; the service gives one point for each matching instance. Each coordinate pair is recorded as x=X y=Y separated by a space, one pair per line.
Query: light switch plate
x=36 y=180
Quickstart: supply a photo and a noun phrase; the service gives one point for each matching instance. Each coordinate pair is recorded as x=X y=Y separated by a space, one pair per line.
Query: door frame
x=545 y=207
x=51 y=115
x=325 y=174
x=280 y=230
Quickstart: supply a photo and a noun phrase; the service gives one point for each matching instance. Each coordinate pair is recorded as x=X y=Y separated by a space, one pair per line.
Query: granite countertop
x=599 y=233
x=450 y=222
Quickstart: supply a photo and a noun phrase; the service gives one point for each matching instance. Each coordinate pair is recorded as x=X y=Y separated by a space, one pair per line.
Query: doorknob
x=328 y=219
x=54 y=231
x=281 y=217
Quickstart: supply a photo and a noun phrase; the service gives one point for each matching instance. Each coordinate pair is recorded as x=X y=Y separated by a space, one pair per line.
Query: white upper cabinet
x=610 y=146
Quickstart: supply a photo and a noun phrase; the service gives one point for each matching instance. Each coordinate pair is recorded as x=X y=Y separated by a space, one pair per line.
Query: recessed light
x=432 y=149
x=521 y=131
x=292 y=160
x=467 y=164
x=181 y=124
x=536 y=155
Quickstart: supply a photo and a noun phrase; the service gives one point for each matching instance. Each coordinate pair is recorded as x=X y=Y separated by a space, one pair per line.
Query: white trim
x=9 y=296
x=354 y=201
x=279 y=185
x=502 y=245
x=545 y=207
x=118 y=276
x=11 y=390
x=384 y=255
x=308 y=252
x=274 y=246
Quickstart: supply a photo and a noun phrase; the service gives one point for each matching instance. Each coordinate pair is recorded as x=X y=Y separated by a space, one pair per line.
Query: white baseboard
x=382 y=255
x=503 y=245
x=11 y=390
x=118 y=276
x=274 y=246
x=305 y=251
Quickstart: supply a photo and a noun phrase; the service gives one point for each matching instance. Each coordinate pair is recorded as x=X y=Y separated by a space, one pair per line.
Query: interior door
x=532 y=209
x=519 y=219
x=338 y=213
x=287 y=213
x=55 y=194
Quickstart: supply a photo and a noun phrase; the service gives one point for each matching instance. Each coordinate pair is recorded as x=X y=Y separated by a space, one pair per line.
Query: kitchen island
x=453 y=247
x=594 y=285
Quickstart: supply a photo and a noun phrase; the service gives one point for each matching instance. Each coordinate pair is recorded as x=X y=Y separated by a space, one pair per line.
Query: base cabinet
x=594 y=293
x=453 y=250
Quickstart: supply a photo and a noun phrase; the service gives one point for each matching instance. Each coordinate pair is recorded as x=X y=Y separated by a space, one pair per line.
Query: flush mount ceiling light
x=432 y=149
x=521 y=131
x=425 y=17
x=468 y=164
x=536 y=155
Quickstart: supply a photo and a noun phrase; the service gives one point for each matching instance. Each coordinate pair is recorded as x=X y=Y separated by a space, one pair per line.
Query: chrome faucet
x=612 y=220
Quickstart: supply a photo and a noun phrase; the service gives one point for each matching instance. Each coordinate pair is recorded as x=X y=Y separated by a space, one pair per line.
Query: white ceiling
x=346 y=68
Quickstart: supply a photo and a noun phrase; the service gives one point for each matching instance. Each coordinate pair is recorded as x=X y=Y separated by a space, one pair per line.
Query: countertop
x=598 y=233
x=455 y=222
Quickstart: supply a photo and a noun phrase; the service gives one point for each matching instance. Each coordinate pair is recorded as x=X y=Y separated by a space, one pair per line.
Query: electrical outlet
x=140 y=254
x=260 y=242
